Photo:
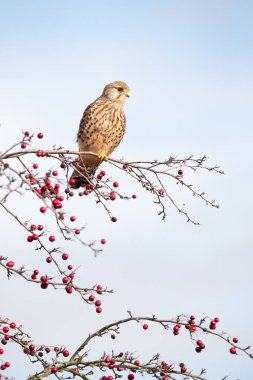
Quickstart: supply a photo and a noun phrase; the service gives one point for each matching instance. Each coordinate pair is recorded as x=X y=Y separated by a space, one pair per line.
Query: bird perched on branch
x=101 y=129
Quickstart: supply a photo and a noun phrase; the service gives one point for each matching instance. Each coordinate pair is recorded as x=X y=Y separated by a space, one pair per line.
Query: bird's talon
x=102 y=156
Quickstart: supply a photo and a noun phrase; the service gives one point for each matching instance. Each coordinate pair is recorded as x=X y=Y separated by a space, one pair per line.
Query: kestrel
x=101 y=129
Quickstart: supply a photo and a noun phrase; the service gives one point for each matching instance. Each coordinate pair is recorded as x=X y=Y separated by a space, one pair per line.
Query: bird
x=101 y=129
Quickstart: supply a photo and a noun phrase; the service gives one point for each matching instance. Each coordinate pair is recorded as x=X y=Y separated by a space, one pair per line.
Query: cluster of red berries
x=4 y=341
x=32 y=350
x=31 y=178
x=111 y=365
x=97 y=303
x=200 y=346
x=44 y=282
x=101 y=174
x=40 y=153
x=191 y=324
x=183 y=368
x=47 y=188
x=213 y=322
x=176 y=329
x=35 y=274
x=165 y=366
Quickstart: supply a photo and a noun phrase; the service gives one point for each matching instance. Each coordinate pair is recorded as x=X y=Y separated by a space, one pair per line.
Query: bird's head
x=116 y=91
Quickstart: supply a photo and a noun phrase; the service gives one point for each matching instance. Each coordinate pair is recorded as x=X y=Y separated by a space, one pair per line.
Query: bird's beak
x=126 y=93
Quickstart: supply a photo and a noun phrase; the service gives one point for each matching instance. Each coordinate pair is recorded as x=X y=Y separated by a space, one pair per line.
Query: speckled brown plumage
x=101 y=129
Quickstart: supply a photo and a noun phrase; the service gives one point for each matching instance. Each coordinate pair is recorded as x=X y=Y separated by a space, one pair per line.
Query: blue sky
x=189 y=66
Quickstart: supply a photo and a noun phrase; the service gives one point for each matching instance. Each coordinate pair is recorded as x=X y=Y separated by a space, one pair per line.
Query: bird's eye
x=120 y=89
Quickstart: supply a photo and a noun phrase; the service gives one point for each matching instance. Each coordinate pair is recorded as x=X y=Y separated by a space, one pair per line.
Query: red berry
x=56 y=349
x=70 y=267
x=26 y=133
x=137 y=362
x=232 y=350
x=65 y=256
x=23 y=145
x=115 y=184
x=180 y=172
x=35 y=166
x=103 y=241
x=43 y=209
x=49 y=259
x=161 y=192
x=98 y=310
x=111 y=366
x=32 y=347
x=107 y=359
x=29 y=238
x=53 y=369
x=65 y=353
x=36 y=271
x=216 y=319
x=130 y=376
x=198 y=349
x=1 y=351
x=72 y=181
x=145 y=326
x=99 y=287
x=112 y=196
x=65 y=280
x=51 y=238
x=7 y=364
x=40 y=227
x=134 y=196
x=55 y=173
x=91 y=298
x=199 y=342
x=6 y=329
x=114 y=219
x=98 y=303
x=35 y=237
x=10 y=264
x=77 y=232
x=72 y=218
x=235 y=340
x=40 y=135
x=12 y=325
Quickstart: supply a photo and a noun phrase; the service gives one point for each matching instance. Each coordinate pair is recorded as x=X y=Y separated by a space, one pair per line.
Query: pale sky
x=189 y=67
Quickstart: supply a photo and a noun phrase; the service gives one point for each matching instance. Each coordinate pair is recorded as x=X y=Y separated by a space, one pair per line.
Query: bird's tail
x=82 y=176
